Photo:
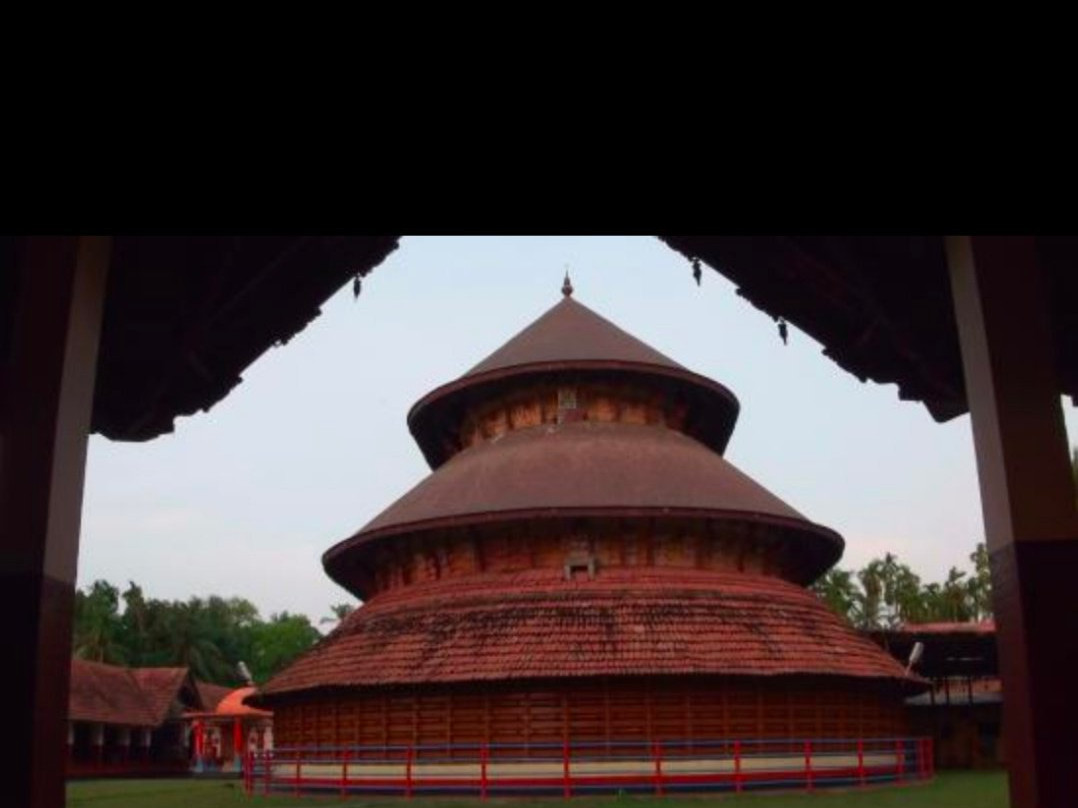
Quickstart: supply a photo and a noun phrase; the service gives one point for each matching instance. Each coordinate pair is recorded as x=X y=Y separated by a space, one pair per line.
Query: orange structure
x=583 y=566
x=226 y=730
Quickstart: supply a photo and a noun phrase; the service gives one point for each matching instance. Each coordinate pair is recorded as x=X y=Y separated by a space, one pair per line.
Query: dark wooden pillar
x=1027 y=495
x=47 y=385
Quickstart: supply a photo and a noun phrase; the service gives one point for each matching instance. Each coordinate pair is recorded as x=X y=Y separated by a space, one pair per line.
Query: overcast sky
x=244 y=499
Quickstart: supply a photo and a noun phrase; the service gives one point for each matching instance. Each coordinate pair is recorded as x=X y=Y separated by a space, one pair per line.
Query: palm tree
x=979 y=587
x=97 y=635
x=838 y=590
x=340 y=611
x=956 y=596
x=190 y=646
x=870 y=599
x=135 y=623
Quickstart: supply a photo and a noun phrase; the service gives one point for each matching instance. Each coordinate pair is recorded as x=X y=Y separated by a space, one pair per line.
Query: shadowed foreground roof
x=535 y=624
x=185 y=315
x=110 y=694
x=881 y=305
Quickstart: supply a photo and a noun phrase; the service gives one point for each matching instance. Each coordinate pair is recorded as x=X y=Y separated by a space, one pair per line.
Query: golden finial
x=567 y=286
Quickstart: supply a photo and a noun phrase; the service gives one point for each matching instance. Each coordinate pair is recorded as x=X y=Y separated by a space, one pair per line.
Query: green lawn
x=949 y=790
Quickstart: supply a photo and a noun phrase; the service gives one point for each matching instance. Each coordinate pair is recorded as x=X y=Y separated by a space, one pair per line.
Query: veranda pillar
x=46 y=396
x=1028 y=498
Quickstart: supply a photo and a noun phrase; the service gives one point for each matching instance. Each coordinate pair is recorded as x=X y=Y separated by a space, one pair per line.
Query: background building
x=149 y=721
x=963 y=711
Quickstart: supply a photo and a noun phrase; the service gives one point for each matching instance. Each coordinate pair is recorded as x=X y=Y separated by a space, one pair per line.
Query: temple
x=583 y=571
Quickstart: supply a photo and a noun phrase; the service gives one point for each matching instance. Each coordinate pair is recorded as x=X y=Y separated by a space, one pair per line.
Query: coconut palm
x=839 y=591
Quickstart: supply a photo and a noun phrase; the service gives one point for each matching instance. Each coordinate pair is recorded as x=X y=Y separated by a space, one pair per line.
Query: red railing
x=589 y=767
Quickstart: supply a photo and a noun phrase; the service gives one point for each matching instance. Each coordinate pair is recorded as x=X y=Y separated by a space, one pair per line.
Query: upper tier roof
x=570 y=331
x=572 y=338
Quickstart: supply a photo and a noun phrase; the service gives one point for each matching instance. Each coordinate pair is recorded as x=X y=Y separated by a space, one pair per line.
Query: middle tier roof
x=587 y=469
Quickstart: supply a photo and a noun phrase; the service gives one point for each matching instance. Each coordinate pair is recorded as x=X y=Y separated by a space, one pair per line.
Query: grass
x=948 y=790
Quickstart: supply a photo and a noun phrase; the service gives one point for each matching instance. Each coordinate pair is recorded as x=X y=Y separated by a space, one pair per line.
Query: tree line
x=886 y=593
x=208 y=635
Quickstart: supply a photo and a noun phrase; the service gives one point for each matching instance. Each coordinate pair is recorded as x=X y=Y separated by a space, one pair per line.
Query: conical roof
x=570 y=331
x=570 y=338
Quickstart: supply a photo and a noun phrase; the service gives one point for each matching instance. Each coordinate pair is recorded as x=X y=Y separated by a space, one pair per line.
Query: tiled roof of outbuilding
x=106 y=694
x=161 y=687
x=136 y=697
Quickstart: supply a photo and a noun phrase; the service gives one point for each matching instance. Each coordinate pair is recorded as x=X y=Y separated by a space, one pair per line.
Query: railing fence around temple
x=589 y=767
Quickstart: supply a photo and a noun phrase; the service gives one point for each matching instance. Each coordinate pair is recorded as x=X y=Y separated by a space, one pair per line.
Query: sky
x=243 y=500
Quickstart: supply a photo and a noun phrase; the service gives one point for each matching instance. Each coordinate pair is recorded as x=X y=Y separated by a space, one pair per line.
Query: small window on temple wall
x=567 y=411
x=568 y=406
x=580 y=567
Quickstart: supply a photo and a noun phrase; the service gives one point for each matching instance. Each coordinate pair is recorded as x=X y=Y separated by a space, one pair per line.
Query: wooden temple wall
x=596 y=711
x=551 y=403
x=513 y=548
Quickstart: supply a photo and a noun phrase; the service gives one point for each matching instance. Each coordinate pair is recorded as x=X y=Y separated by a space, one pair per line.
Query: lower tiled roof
x=161 y=687
x=108 y=694
x=111 y=694
x=534 y=624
